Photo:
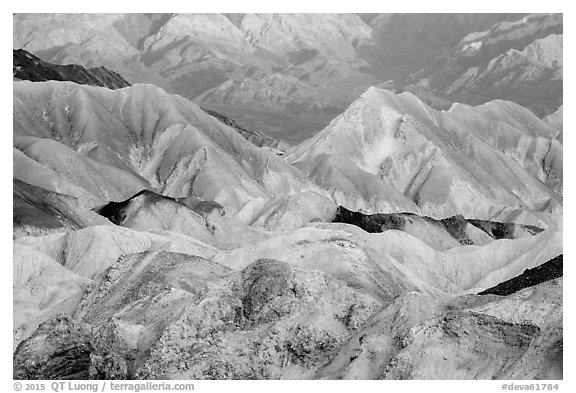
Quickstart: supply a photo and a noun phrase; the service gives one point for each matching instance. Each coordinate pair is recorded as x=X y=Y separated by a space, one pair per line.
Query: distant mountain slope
x=405 y=43
x=191 y=54
x=519 y=61
x=288 y=75
x=29 y=67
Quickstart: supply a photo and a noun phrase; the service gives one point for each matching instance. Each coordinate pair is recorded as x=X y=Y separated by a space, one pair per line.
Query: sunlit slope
x=113 y=144
x=480 y=162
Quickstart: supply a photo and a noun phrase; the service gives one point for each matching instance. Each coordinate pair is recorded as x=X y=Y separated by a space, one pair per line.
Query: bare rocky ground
x=166 y=315
x=328 y=301
x=155 y=241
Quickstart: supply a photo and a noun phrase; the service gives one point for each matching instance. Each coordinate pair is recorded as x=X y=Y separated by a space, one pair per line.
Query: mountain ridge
x=27 y=66
x=433 y=158
x=287 y=66
x=412 y=237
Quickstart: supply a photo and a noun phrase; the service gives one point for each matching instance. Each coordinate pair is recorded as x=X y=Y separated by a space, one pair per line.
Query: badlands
x=417 y=234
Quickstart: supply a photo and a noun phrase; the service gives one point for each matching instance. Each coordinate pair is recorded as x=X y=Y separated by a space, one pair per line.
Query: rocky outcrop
x=59 y=349
x=542 y=273
x=26 y=66
x=445 y=233
x=171 y=316
x=167 y=315
x=469 y=337
x=459 y=334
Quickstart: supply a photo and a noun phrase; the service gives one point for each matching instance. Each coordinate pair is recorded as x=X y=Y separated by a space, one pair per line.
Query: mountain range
x=290 y=74
x=417 y=234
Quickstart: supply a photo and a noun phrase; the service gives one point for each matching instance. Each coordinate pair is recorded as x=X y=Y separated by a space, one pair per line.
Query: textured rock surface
x=59 y=349
x=440 y=234
x=38 y=211
x=171 y=316
x=166 y=315
x=152 y=240
x=418 y=337
x=88 y=141
x=391 y=153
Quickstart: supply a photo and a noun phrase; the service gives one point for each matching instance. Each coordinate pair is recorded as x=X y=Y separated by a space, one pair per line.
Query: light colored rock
x=478 y=162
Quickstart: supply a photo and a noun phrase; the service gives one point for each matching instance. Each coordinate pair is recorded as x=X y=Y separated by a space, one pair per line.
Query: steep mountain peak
x=367 y=125
x=441 y=160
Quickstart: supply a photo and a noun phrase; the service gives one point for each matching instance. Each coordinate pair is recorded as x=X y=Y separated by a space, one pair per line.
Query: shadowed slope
x=37 y=211
x=29 y=67
x=440 y=234
x=542 y=273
